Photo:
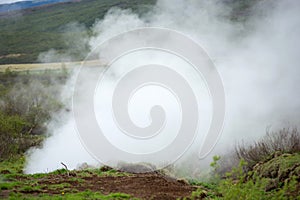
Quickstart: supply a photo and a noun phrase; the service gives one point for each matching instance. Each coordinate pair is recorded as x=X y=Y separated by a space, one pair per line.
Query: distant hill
x=26 y=33
x=26 y=4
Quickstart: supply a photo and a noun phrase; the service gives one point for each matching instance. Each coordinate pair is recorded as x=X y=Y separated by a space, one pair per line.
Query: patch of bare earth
x=141 y=185
x=146 y=185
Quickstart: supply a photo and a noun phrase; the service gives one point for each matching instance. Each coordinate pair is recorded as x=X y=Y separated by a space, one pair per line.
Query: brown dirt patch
x=152 y=185
x=147 y=185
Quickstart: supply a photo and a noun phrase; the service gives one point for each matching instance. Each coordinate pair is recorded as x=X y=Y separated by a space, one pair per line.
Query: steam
x=258 y=60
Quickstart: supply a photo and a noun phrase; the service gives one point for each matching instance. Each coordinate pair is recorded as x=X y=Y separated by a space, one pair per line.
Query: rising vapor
x=257 y=59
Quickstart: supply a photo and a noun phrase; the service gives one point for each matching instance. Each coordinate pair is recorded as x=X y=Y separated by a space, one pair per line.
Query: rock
x=105 y=168
x=83 y=166
x=183 y=181
x=136 y=167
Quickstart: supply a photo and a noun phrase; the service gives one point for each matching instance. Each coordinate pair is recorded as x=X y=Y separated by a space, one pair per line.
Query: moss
x=279 y=167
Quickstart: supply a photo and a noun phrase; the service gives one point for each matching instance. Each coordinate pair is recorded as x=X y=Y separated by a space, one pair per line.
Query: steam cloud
x=258 y=60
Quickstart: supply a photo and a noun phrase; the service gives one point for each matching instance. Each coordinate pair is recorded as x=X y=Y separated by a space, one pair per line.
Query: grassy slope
x=38 y=30
x=23 y=36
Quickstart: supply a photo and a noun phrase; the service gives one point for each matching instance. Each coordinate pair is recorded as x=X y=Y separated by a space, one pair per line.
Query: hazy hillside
x=19 y=5
x=26 y=33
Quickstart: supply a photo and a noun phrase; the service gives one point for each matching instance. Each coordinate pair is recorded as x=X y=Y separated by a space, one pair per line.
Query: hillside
x=19 y=5
x=26 y=33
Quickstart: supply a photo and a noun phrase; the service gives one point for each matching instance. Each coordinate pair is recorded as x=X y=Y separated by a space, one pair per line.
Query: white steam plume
x=258 y=61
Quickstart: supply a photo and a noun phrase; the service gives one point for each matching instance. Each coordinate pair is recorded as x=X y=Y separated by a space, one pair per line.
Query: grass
x=88 y=195
x=31 y=186
x=86 y=173
x=236 y=185
x=8 y=185
x=25 y=35
x=13 y=165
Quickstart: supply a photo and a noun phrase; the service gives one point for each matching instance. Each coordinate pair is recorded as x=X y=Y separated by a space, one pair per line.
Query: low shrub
x=27 y=103
x=284 y=141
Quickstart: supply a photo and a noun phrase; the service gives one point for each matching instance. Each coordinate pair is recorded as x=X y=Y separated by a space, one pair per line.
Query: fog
x=257 y=59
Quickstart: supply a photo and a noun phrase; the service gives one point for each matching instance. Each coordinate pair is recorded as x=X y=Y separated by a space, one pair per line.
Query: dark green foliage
x=11 y=128
x=27 y=102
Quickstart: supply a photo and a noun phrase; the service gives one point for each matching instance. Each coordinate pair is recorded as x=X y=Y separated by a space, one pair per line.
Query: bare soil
x=141 y=185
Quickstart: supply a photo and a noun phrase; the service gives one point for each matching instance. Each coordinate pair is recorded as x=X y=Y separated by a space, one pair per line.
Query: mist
x=257 y=59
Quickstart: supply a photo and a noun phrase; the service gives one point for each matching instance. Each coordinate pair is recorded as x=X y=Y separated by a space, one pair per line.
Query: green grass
x=42 y=29
x=23 y=186
x=13 y=165
x=8 y=185
x=87 y=195
x=86 y=173
x=236 y=185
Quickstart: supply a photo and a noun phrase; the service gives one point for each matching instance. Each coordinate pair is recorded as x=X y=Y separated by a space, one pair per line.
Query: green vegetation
x=27 y=102
x=240 y=185
x=255 y=184
x=266 y=169
x=24 y=36
x=271 y=175
x=283 y=141
x=274 y=177
x=60 y=184
x=27 y=34
x=88 y=195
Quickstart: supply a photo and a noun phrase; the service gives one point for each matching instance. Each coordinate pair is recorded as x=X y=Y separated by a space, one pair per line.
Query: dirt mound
x=145 y=185
x=152 y=185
